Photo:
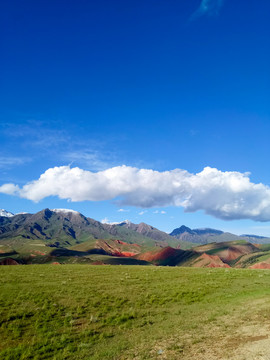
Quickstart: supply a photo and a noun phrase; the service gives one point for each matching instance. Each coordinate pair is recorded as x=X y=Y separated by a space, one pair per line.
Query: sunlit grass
x=120 y=312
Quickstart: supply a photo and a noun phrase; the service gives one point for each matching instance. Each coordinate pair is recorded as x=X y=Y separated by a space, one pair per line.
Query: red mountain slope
x=206 y=260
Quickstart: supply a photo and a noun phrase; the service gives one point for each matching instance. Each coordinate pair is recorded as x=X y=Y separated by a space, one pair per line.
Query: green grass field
x=133 y=312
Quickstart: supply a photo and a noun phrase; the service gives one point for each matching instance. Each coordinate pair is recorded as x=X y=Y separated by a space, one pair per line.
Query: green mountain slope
x=38 y=234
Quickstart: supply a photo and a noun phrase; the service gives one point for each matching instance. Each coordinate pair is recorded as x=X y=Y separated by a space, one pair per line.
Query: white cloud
x=159 y=212
x=9 y=189
x=105 y=221
x=225 y=195
x=142 y=212
x=123 y=210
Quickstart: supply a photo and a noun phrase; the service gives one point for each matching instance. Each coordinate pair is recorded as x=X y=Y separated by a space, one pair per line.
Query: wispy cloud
x=10 y=161
x=52 y=140
x=35 y=133
x=89 y=159
x=123 y=210
x=208 y=7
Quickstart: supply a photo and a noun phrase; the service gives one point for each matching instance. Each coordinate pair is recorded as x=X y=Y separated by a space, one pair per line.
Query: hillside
x=168 y=256
x=225 y=254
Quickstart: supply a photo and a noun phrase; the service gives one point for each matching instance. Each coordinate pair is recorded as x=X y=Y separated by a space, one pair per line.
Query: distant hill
x=207 y=235
x=153 y=233
x=226 y=254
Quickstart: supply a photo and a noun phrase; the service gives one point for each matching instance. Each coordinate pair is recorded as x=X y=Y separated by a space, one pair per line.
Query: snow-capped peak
x=5 y=213
x=124 y=222
x=64 y=211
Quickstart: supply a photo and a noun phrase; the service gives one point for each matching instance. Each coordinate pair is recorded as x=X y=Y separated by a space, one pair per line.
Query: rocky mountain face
x=182 y=230
x=148 y=231
x=53 y=227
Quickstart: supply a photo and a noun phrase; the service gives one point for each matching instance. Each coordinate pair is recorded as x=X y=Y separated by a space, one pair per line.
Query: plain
x=133 y=312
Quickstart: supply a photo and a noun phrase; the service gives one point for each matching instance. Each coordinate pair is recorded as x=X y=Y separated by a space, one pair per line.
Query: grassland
x=133 y=312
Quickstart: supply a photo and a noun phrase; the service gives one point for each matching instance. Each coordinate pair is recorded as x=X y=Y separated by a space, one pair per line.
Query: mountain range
x=61 y=227
x=207 y=235
x=61 y=235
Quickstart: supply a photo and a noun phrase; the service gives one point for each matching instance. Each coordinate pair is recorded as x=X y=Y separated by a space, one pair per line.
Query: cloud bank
x=208 y=7
x=225 y=195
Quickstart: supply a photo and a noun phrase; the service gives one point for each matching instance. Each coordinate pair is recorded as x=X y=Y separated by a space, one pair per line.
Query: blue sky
x=157 y=85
